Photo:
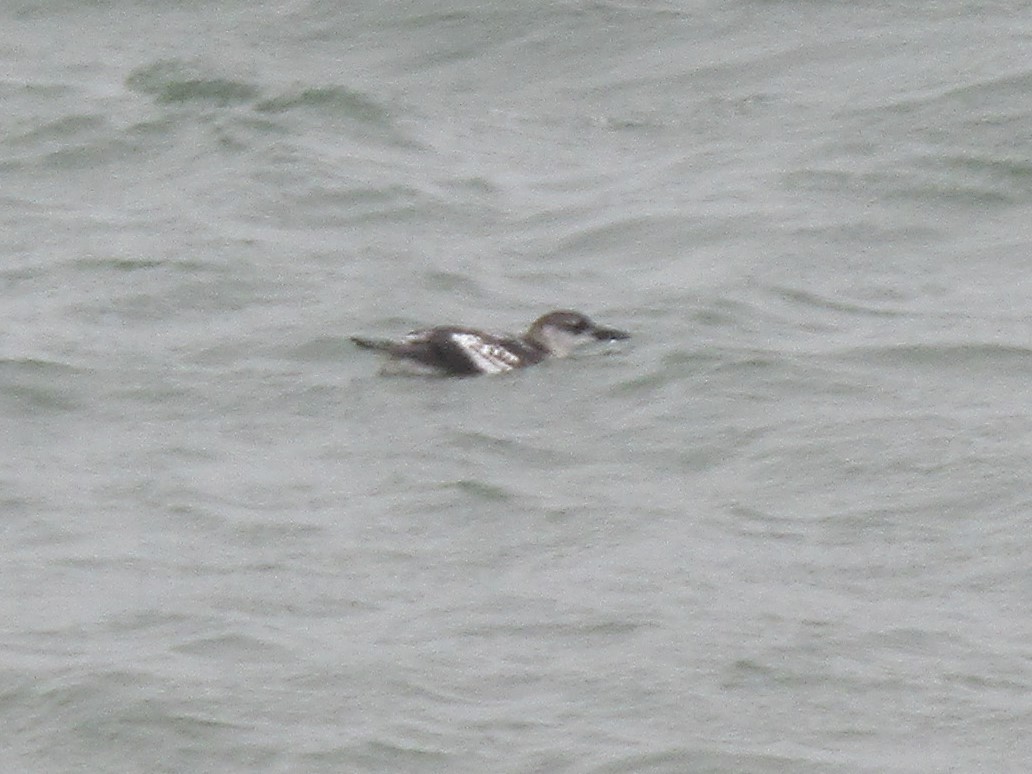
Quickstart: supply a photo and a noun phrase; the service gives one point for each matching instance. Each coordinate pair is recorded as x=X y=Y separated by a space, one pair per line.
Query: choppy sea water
x=786 y=528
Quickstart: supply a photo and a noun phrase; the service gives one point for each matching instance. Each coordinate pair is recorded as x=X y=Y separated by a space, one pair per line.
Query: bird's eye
x=580 y=327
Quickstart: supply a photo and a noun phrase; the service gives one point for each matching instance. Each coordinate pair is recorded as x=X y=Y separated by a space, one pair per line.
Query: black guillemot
x=457 y=351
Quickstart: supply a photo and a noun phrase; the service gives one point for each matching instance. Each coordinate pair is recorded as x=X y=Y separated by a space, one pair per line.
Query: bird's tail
x=379 y=345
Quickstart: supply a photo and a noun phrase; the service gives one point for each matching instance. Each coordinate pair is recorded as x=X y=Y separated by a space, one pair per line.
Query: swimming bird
x=458 y=351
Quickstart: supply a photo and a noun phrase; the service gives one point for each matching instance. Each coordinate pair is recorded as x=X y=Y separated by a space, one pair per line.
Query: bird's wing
x=486 y=355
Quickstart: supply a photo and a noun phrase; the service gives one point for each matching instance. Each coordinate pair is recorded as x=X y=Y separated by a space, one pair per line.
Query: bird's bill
x=610 y=334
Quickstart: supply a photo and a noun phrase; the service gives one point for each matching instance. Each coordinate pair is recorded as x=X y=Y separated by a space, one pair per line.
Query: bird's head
x=561 y=332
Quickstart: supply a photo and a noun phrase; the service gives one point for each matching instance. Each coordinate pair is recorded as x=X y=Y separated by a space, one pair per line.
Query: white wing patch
x=489 y=358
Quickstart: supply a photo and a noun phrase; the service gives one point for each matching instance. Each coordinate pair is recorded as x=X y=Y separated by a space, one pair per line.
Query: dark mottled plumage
x=462 y=351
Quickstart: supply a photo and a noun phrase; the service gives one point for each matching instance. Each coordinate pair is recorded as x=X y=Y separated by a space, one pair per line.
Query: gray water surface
x=784 y=528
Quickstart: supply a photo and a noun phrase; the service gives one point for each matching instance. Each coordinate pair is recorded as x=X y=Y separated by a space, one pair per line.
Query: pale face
x=563 y=331
x=562 y=341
